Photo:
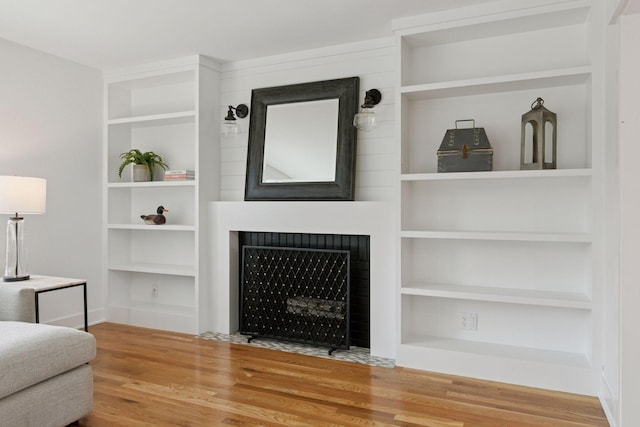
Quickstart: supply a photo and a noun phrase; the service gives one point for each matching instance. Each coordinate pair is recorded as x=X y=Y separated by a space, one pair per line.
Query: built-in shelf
x=497 y=350
x=176 y=270
x=155 y=274
x=498 y=235
x=525 y=237
x=179 y=116
x=504 y=295
x=525 y=174
x=152 y=184
x=493 y=84
x=151 y=308
x=146 y=227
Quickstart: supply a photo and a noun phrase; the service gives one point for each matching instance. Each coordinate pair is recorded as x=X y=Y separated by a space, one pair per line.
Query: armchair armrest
x=17 y=304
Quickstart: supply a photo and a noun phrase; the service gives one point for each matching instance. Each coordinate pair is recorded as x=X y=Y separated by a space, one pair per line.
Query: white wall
x=50 y=114
x=629 y=224
x=372 y=61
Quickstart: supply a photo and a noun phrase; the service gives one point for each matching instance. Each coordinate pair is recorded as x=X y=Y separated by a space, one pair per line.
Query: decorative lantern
x=538 y=143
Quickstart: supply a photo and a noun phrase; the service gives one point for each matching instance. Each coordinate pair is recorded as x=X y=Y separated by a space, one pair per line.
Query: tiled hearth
x=354 y=354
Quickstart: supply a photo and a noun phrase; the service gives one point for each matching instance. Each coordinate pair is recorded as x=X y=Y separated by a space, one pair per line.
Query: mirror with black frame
x=302 y=144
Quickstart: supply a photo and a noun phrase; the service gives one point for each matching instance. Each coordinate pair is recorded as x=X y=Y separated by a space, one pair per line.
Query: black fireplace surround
x=273 y=305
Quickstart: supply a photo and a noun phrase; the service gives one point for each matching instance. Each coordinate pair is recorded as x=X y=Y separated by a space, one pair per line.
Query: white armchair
x=46 y=379
x=17 y=304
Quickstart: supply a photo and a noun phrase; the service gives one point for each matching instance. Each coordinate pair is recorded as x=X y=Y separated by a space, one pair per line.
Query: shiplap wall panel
x=373 y=62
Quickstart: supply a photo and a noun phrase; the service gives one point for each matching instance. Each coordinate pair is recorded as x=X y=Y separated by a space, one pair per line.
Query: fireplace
x=332 y=310
x=371 y=222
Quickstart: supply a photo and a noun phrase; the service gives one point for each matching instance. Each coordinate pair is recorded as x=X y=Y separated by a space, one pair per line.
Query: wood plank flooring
x=147 y=377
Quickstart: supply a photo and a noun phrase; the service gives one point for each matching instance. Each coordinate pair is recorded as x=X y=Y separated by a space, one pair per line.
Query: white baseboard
x=76 y=321
x=610 y=403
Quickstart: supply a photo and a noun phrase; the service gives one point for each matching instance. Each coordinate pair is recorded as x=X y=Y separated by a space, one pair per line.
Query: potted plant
x=143 y=164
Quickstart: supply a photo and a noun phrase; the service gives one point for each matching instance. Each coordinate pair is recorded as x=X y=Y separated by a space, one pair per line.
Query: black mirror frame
x=343 y=188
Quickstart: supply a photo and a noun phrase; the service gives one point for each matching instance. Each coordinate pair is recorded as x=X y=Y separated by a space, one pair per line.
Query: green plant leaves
x=135 y=156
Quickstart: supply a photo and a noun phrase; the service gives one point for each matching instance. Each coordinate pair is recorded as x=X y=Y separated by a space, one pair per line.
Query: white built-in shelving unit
x=155 y=275
x=514 y=248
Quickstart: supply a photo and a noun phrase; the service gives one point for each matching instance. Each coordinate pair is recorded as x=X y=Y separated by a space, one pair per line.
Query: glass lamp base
x=16 y=264
x=15 y=278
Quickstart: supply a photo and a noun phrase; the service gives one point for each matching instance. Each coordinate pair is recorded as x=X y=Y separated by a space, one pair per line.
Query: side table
x=42 y=284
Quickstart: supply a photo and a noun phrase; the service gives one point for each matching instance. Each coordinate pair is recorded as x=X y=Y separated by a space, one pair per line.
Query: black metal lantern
x=538 y=145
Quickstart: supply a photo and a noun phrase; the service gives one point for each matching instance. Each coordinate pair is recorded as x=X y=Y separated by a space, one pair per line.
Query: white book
x=180 y=172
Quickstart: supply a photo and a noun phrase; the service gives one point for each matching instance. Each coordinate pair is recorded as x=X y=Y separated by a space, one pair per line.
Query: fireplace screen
x=295 y=294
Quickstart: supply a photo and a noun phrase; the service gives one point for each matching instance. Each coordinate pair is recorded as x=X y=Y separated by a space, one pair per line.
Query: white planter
x=140 y=173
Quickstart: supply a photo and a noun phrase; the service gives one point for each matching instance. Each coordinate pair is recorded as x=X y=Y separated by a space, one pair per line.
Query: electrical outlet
x=154 y=291
x=468 y=321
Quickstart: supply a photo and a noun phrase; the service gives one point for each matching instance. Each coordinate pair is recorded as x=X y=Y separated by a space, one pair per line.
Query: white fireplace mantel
x=375 y=219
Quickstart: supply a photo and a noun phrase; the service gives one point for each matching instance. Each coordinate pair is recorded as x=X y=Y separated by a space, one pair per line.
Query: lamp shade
x=365 y=120
x=24 y=195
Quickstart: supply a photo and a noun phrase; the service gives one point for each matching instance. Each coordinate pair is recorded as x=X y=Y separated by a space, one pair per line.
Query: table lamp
x=20 y=195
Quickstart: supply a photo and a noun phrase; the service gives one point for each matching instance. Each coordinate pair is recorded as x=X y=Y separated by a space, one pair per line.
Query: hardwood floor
x=149 y=377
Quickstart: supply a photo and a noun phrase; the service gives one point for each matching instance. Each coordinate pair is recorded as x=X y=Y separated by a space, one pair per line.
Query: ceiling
x=107 y=34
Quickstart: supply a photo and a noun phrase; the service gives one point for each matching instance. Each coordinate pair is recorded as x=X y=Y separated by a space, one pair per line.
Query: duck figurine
x=157 y=218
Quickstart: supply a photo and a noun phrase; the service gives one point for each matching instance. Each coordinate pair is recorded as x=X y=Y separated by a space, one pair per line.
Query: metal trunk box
x=465 y=150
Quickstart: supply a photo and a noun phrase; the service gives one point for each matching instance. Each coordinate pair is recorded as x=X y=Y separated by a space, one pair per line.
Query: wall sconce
x=230 y=127
x=365 y=120
x=20 y=195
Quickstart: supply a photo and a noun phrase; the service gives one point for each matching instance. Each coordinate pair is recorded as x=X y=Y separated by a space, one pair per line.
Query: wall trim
x=609 y=402
x=494 y=11
x=324 y=52
x=76 y=321
x=161 y=67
